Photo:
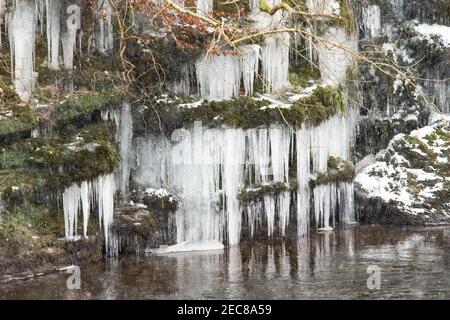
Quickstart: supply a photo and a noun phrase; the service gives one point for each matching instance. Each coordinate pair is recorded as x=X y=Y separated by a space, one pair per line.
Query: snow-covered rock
x=409 y=183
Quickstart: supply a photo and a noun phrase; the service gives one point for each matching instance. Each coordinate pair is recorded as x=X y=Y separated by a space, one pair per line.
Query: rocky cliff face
x=417 y=39
x=132 y=134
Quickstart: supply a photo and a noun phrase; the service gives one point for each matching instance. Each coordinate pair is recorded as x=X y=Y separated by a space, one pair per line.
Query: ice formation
x=218 y=77
x=185 y=84
x=69 y=34
x=435 y=30
x=53 y=32
x=336 y=54
x=124 y=138
x=189 y=246
x=208 y=168
x=22 y=23
x=372 y=21
x=314 y=146
x=204 y=7
x=251 y=55
x=105 y=36
x=86 y=197
x=323 y=7
x=275 y=58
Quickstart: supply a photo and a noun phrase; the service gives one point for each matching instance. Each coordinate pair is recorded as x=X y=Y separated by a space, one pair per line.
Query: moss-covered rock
x=56 y=161
x=257 y=193
x=338 y=171
x=169 y=113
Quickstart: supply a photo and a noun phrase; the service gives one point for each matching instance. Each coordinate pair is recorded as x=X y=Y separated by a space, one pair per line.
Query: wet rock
x=147 y=223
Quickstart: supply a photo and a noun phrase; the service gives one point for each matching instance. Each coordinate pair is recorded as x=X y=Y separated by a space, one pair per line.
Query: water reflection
x=414 y=264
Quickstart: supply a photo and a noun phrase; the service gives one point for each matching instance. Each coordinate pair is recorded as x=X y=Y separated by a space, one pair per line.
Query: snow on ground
x=428 y=31
x=189 y=246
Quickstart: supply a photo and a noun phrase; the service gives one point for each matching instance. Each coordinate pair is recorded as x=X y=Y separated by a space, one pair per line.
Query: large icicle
x=251 y=55
x=336 y=54
x=303 y=177
x=69 y=36
x=275 y=58
x=105 y=39
x=22 y=24
x=53 y=32
x=372 y=21
x=124 y=138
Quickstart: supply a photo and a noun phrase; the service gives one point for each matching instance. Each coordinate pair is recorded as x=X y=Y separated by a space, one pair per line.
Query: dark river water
x=344 y=264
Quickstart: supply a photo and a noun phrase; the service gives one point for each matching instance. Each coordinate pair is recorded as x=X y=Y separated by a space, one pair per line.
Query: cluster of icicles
x=97 y=196
x=222 y=76
x=62 y=23
x=208 y=168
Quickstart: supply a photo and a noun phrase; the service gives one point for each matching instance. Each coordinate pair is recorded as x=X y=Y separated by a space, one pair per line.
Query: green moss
x=245 y=112
x=415 y=151
x=348 y=19
x=413 y=185
x=338 y=171
x=257 y=193
x=18 y=236
x=17 y=118
x=303 y=75
x=80 y=106
x=81 y=154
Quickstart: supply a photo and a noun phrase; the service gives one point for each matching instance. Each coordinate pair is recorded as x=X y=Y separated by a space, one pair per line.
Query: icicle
x=251 y=55
x=105 y=189
x=333 y=59
x=323 y=7
x=85 y=193
x=69 y=36
x=218 y=77
x=303 y=177
x=53 y=32
x=325 y=200
x=283 y=207
x=372 y=21
x=184 y=85
x=347 y=207
x=204 y=7
x=22 y=24
x=105 y=37
x=253 y=4
x=233 y=160
x=269 y=208
x=275 y=58
x=124 y=138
